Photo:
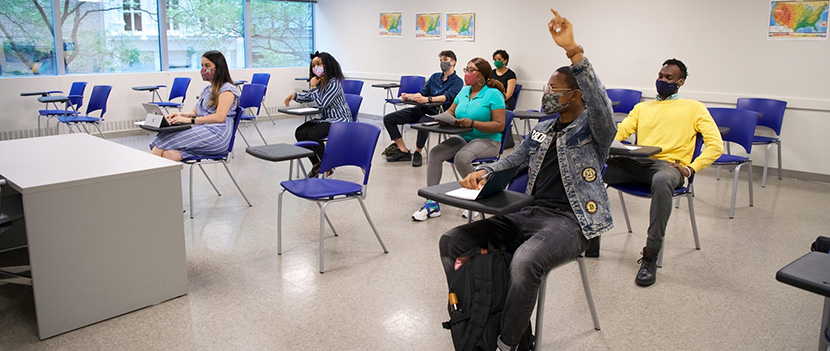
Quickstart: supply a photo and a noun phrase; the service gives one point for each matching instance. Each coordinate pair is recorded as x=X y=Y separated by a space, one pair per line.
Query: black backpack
x=480 y=286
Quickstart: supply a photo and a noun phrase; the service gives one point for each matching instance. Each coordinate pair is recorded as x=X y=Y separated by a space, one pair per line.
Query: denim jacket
x=581 y=147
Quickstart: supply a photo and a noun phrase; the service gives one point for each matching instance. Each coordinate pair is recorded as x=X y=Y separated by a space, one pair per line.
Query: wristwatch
x=429 y=99
x=193 y=120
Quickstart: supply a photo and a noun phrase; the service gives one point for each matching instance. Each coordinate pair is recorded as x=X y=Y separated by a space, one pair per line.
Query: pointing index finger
x=554 y=12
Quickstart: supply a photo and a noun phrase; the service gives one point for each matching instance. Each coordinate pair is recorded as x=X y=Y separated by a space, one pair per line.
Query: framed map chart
x=428 y=25
x=798 y=19
x=461 y=26
x=389 y=24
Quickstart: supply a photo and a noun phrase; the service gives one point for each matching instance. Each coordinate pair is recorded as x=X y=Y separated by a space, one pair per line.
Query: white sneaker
x=466 y=213
x=429 y=210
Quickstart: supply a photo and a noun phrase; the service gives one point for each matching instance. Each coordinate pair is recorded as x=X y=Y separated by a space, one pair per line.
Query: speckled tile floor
x=243 y=296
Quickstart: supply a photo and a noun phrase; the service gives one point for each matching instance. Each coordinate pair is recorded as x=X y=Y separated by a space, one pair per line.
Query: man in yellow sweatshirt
x=670 y=123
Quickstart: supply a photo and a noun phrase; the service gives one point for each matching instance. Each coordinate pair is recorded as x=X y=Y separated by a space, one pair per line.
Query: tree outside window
x=26 y=37
x=281 y=33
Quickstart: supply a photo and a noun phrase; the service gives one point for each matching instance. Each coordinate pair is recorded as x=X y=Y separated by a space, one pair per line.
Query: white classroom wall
x=724 y=44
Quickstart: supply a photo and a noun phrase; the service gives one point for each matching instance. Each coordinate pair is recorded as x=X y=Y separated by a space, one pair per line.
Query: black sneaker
x=390 y=150
x=399 y=156
x=647 y=274
x=416 y=159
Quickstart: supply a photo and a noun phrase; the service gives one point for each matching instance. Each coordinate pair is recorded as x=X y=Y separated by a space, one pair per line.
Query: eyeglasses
x=550 y=89
x=468 y=70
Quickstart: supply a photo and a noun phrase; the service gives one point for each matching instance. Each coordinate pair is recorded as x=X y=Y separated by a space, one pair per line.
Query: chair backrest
x=508 y=119
x=695 y=153
x=411 y=84
x=98 y=99
x=516 y=91
x=251 y=96
x=772 y=111
x=352 y=86
x=76 y=95
x=519 y=181
x=179 y=88
x=351 y=144
x=741 y=124
x=627 y=98
x=236 y=120
x=261 y=78
x=354 y=102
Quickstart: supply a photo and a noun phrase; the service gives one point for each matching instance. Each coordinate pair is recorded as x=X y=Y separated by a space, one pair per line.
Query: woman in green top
x=479 y=105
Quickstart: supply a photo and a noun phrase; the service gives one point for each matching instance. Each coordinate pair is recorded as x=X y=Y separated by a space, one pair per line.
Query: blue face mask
x=665 y=89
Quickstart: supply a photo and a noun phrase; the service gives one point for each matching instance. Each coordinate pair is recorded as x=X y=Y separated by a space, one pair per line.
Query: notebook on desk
x=495 y=184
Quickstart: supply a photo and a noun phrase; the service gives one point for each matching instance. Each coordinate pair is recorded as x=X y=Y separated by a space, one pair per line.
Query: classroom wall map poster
x=798 y=19
x=461 y=26
x=389 y=24
x=428 y=25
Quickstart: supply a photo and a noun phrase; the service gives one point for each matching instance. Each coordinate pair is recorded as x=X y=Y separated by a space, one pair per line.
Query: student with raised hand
x=479 y=105
x=564 y=157
x=670 y=123
x=506 y=77
x=326 y=93
x=441 y=87
x=212 y=117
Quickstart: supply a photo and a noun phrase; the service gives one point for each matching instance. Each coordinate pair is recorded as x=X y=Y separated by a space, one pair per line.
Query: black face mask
x=665 y=89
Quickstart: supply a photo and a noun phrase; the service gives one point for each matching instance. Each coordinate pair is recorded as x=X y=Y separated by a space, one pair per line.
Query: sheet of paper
x=619 y=145
x=304 y=109
x=446 y=118
x=464 y=193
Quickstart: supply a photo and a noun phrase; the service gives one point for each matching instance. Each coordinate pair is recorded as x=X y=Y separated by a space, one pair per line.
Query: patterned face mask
x=550 y=101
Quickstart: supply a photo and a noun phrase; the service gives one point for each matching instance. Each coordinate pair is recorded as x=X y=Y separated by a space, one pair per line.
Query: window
x=281 y=33
x=132 y=15
x=205 y=25
x=110 y=36
x=28 y=47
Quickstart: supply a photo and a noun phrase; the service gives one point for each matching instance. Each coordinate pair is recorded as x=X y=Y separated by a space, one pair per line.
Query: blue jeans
x=539 y=238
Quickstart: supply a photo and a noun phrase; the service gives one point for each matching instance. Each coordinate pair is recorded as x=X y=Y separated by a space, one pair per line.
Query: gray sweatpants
x=463 y=152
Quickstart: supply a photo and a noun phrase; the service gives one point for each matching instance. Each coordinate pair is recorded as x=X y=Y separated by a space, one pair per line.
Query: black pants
x=314 y=132
x=408 y=115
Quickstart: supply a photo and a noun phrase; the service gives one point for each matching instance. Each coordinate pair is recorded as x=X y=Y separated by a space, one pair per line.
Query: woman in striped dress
x=212 y=117
x=326 y=93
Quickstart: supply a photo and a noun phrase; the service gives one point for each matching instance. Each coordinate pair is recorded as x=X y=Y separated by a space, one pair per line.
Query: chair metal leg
x=625 y=211
x=322 y=226
x=766 y=164
x=660 y=253
x=279 y=222
x=371 y=224
x=540 y=310
x=694 y=221
x=239 y=131
x=260 y=133
x=329 y=222
x=190 y=192
x=455 y=173
x=268 y=113
x=779 y=158
x=734 y=192
x=749 y=167
x=587 y=287
x=208 y=178
x=235 y=183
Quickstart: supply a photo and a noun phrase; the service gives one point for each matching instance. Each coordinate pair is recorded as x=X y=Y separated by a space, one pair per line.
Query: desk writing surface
x=504 y=202
x=811 y=272
x=446 y=129
x=38 y=164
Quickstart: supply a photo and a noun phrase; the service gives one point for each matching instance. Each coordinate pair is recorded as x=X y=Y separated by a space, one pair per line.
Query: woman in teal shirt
x=479 y=105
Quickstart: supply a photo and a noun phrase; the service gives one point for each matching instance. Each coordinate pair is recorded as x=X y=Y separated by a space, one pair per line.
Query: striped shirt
x=331 y=101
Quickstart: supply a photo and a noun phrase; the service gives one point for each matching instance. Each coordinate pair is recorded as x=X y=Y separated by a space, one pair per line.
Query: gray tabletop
x=279 y=152
x=810 y=272
x=386 y=85
x=502 y=203
x=441 y=129
x=641 y=151
x=147 y=88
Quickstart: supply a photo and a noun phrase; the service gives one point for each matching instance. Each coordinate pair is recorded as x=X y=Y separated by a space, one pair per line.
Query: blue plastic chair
x=263 y=78
x=772 y=116
x=179 y=89
x=71 y=107
x=221 y=158
x=409 y=85
x=508 y=119
x=627 y=98
x=741 y=124
x=97 y=102
x=352 y=86
x=354 y=102
x=350 y=144
x=643 y=190
x=250 y=98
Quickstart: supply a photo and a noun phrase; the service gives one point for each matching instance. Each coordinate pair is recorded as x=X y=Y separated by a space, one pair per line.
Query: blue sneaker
x=429 y=210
